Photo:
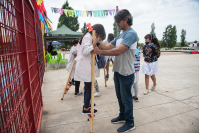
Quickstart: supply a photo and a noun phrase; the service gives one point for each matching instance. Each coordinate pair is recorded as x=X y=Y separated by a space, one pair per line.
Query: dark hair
x=75 y=41
x=50 y=43
x=99 y=30
x=155 y=40
x=123 y=15
x=195 y=41
x=111 y=36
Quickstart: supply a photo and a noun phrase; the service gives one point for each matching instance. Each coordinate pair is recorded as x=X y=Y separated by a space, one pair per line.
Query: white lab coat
x=73 y=52
x=84 y=60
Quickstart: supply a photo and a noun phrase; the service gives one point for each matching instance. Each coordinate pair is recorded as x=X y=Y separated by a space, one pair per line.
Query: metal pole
x=117 y=28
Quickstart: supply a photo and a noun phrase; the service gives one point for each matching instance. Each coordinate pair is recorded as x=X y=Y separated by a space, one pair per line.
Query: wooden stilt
x=67 y=86
x=91 y=117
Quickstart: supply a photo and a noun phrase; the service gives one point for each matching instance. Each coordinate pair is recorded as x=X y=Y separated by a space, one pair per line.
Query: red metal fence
x=21 y=67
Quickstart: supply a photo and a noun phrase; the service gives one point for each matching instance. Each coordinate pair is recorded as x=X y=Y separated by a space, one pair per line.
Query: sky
x=184 y=14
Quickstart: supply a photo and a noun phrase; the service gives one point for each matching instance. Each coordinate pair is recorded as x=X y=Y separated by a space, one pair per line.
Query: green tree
x=183 y=34
x=166 y=36
x=84 y=28
x=70 y=22
x=152 y=29
x=173 y=37
x=169 y=37
x=115 y=30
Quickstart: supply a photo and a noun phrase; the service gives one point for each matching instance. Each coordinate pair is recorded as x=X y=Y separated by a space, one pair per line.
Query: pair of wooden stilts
x=67 y=86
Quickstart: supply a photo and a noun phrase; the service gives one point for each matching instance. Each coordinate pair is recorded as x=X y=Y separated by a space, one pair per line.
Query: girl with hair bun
x=84 y=60
x=151 y=53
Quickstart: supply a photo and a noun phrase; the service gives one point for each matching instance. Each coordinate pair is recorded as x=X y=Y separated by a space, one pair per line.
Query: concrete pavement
x=172 y=107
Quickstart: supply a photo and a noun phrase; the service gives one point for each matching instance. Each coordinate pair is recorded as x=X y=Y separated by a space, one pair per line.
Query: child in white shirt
x=72 y=55
x=84 y=60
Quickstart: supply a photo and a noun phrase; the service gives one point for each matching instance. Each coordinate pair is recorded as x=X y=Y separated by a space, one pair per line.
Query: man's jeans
x=123 y=86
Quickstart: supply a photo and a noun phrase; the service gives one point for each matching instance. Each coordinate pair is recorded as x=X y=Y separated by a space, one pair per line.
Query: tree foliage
x=169 y=37
x=173 y=37
x=84 y=28
x=183 y=34
x=153 y=29
x=115 y=30
x=70 y=22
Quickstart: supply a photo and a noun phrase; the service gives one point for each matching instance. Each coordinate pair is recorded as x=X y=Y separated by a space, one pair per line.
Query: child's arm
x=74 y=50
x=87 y=49
x=87 y=45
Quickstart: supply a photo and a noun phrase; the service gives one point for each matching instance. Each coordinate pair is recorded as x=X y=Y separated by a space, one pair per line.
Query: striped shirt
x=137 y=61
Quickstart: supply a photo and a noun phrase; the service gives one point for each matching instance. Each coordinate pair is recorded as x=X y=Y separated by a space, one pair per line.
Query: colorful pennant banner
x=42 y=15
x=84 y=13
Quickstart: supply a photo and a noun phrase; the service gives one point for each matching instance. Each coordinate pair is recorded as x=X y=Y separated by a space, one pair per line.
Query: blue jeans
x=123 y=86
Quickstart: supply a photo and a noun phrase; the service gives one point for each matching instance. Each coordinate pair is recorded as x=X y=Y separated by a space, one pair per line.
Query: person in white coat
x=84 y=60
x=72 y=56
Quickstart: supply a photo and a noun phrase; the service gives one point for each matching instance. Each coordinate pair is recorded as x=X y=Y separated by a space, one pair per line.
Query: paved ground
x=172 y=107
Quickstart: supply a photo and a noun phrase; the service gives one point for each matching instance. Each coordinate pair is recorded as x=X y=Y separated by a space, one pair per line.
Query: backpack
x=101 y=61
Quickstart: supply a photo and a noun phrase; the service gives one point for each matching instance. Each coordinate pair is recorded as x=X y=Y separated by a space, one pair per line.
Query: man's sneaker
x=126 y=127
x=87 y=112
x=146 y=91
x=135 y=98
x=153 y=87
x=71 y=83
x=78 y=94
x=97 y=94
x=107 y=76
x=117 y=120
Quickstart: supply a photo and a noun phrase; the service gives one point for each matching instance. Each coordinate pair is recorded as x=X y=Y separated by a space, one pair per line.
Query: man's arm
x=103 y=45
x=106 y=46
x=112 y=52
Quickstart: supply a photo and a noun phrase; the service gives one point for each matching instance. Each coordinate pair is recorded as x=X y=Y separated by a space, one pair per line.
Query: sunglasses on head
x=118 y=21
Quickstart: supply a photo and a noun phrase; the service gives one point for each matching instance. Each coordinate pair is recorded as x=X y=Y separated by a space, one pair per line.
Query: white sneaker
x=153 y=87
x=146 y=91
x=97 y=94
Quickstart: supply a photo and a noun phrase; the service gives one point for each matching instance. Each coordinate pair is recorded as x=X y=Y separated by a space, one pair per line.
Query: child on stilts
x=72 y=55
x=84 y=60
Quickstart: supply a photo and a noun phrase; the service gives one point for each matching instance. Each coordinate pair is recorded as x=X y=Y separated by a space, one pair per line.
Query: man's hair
x=111 y=36
x=75 y=41
x=123 y=15
x=50 y=43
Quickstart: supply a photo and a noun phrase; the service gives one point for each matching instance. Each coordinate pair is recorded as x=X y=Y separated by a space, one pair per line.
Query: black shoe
x=117 y=120
x=78 y=94
x=87 y=112
x=126 y=128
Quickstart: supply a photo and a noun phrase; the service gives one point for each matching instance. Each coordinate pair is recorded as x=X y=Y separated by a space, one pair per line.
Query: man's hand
x=96 y=50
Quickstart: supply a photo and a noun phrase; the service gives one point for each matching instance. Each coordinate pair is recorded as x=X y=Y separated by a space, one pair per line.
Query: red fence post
x=27 y=75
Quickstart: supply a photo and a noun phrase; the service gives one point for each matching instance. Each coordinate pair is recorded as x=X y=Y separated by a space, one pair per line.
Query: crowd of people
x=124 y=54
